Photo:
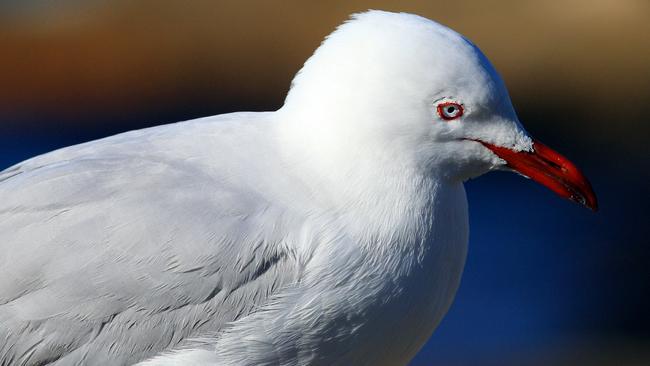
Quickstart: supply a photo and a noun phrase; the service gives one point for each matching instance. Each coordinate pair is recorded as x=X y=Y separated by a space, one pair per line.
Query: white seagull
x=330 y=232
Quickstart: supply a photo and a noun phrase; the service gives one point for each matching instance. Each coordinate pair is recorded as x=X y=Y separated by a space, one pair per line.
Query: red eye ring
x=450 y=110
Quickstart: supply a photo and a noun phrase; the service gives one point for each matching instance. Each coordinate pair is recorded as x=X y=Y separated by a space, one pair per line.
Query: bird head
x=403 y=86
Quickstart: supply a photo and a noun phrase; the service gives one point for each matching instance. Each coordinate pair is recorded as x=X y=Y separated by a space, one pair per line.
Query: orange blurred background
x=72 y=59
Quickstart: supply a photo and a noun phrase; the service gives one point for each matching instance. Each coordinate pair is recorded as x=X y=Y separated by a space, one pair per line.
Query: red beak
x=547 y=167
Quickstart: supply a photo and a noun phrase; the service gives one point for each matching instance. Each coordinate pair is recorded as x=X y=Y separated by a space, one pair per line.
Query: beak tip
x=592 y=203
x=589 y=202
x=584 y=194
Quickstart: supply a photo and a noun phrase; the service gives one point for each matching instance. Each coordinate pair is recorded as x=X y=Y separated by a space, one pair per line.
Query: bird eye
x=450 y=110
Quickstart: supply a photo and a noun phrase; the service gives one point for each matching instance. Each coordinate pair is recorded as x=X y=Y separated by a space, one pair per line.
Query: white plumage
x=330 y=232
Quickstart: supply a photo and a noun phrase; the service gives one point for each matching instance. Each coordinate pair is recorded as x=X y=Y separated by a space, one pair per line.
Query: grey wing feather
x=116 y=250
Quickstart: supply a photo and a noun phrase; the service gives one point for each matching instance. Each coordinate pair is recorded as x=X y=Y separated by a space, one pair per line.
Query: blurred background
x=546 y=282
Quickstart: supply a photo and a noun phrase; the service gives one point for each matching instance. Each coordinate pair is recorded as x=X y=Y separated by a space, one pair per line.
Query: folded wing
x=116 y=250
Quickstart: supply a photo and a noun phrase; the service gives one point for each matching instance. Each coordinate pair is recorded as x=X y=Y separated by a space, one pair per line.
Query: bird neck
x=386 y=199
x=353 y=171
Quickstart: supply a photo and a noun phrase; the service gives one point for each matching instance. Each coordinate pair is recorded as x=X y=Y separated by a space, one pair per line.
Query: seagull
x=332 y=231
